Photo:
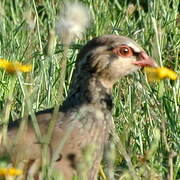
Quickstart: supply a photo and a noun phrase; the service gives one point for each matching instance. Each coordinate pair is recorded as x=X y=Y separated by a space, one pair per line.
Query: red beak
x=145 y=60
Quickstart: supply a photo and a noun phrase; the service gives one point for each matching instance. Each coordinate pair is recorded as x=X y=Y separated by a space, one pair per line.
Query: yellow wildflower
x=156 y=74
x=10 y=171
x=12 y=67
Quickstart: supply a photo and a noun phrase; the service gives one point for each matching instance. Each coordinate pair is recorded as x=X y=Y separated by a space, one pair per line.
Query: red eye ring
x=123 y=50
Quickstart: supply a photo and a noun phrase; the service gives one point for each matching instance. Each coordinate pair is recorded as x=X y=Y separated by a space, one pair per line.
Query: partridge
x=88 y=106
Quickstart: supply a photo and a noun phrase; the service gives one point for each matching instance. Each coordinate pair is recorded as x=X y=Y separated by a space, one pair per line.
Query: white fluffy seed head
x=72 y=22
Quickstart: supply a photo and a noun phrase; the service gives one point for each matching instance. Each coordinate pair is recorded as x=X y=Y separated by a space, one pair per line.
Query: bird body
x=87 y=108
x=92 y=122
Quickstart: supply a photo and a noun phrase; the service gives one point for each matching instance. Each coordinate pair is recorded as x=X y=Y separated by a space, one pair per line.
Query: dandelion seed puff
x=72 y=22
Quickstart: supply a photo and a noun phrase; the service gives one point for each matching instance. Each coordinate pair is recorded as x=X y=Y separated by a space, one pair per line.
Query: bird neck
x=88 y=90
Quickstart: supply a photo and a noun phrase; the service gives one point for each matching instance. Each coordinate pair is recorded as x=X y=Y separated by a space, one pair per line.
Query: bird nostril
x=144 y=60
x=143 y=56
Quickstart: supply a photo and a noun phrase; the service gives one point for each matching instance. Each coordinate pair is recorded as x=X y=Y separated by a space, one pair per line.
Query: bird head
x=110 y=57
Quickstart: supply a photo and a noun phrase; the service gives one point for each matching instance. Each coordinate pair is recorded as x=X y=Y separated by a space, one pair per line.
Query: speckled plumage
x=88 y=105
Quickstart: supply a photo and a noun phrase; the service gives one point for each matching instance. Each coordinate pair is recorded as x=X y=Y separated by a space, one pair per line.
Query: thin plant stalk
x=24 y=122
x=46 y=141
x=7 y=109
x=63 y=73
x=29 y=105
x=157 y=39
x=47 y=138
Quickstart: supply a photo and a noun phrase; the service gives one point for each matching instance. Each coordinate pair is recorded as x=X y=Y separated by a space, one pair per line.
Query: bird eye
x=124 y=51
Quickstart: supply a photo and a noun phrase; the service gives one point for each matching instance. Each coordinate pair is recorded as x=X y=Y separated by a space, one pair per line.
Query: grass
x=147 y=116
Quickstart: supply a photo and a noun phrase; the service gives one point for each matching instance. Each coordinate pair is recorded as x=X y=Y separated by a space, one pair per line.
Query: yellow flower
x=10 y=172
x=156 y=74
x=12 y=67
